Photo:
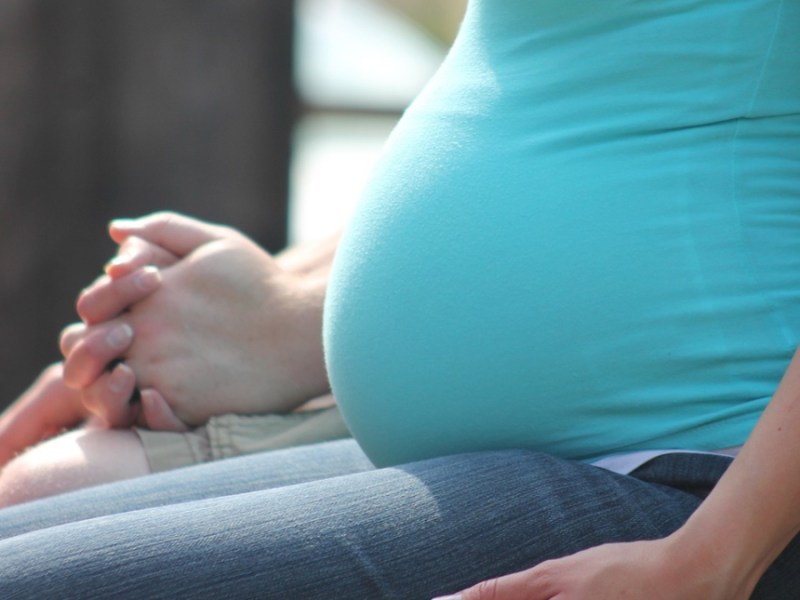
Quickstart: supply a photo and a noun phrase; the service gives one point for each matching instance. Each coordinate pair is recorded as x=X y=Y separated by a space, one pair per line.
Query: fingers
x=525 y=585
x=109 y=397
x=107 y=298
x=70 y=336
x=173 y=232
x=157 y=414
x=135 y=253
x=97 y=347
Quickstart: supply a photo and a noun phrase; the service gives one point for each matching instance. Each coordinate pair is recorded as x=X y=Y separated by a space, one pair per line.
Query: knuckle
x=96 y=347
x=71 y=375
x=73 y=330
x=166 y=214
x=90 y=301
x=161 y=258
x=53 y=371
x=70 y=336
x=98 y=400
x=165 y=218
x=99 y=282
x=146 y=254
x=486 y=590
x=226 y=231
x=127 y=245
x=86 y=303
x=87 y=359
x=119 y=289
x=92 y=401
x=546 y=571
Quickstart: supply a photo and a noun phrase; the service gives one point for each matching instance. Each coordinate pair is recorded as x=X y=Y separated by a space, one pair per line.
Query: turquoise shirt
x=582 y=238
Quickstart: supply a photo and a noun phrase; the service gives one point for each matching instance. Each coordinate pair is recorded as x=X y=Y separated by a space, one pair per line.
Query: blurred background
x=263 y=114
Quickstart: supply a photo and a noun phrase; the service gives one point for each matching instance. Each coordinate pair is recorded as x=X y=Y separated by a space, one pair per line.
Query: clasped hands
x=193 y=320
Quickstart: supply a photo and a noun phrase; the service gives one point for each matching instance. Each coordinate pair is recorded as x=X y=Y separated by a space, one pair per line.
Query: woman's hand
x=110 y=393
x=226 y=331
x=134 y=273
x=107 y=388
x=646 y=570
x=42 y=411
x=722 y=550
x=50 y=406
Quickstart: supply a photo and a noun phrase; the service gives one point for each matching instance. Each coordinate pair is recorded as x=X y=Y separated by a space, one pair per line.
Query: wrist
x=304 y=364
x=309 y=258
x=711 y=556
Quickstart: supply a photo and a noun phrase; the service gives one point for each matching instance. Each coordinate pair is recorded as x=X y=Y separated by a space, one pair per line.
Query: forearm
x=311 y=264
x=302 y=349
x=754 y=511
x=309 y=258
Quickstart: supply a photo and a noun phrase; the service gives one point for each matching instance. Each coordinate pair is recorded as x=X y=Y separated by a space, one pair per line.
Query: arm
x=313 y=258
x=719 y=554
x=74 y=460
x=754 y=511
x=44 y=409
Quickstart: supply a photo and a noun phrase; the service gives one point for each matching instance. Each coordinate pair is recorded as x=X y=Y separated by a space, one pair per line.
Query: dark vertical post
x=122 y=107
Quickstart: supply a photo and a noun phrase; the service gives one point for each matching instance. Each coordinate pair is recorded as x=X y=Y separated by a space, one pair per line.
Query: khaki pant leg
x=232 y=435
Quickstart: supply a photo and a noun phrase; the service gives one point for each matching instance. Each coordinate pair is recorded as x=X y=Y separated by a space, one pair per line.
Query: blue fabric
x=411 y=532
x=221 y=478
x=583 y=237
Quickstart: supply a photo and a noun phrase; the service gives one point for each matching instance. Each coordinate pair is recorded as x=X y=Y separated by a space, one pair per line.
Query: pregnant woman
x=564 y=304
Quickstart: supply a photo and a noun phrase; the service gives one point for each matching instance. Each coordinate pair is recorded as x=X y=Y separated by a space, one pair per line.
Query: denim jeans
x=320 y=522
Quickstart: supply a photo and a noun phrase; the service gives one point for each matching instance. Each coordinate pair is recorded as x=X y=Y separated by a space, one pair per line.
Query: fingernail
x=120 y=259
x=455 y=597
x=147 y=279
x=119 y=337
x=118 y=380
x=122 y=223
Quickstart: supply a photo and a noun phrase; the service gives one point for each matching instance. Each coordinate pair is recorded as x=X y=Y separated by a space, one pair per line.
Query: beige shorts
x=232 y=435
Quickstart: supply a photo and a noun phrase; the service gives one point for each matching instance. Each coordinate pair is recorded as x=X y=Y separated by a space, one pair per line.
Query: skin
x=50 y=441
x=49 y=407
x=71 y=461
x=252 y=361
x=722 y=550
x=94 y=453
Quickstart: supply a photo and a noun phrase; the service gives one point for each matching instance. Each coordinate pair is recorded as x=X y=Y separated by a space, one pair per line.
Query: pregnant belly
x=534 y=265
x=469 y=311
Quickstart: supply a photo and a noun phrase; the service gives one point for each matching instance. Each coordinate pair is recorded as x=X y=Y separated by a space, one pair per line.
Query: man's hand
x=227 y=330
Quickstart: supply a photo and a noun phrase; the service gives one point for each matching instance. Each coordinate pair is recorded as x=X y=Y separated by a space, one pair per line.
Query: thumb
x=158 y=415
x=173 y=232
